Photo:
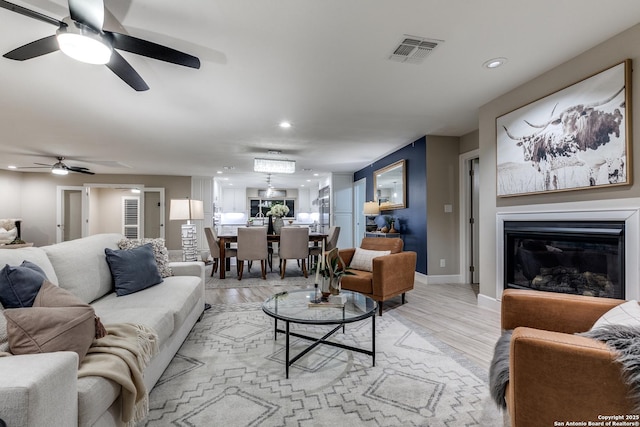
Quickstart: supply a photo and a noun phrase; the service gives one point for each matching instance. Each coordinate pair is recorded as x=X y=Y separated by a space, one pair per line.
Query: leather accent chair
x=214 y=249
x=252 y=245
x=294 y=244
x=555 y=375
x=392 y=274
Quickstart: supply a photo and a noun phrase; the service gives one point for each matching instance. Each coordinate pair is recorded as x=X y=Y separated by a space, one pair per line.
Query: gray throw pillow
x=19 y=285
x=133 y=270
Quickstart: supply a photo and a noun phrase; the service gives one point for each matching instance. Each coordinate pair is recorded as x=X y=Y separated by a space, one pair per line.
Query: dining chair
x=252 y=245
x=294 y=244
x=331 y=243
x=214 y=249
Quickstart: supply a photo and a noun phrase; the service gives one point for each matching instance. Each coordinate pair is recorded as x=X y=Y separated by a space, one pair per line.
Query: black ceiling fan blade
x=34 y=49
x=79 y=170
x=88 y=12
x=153 y=50
x=30 y=13
x=125 y=71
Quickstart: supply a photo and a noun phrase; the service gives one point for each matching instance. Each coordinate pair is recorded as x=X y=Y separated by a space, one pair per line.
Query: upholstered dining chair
x=332 y=242
x=294 y=244
x=214 y=249
x=252 y=246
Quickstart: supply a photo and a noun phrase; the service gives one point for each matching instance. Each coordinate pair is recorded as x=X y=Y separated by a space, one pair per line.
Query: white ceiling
x=323 y=65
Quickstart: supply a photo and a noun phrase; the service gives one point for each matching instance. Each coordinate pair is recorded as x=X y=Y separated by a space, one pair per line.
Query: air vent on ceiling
x=413 y=49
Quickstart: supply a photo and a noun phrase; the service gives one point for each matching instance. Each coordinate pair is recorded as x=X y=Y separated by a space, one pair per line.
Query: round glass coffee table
x=297 y=307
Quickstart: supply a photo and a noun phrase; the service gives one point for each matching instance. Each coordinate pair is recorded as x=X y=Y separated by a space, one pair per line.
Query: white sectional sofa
x=43 y=389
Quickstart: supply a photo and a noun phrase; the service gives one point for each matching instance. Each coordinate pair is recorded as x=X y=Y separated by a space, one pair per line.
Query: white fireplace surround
x=612 y=210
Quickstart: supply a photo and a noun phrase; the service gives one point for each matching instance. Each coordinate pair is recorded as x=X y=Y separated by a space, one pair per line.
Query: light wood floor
x=449 y=312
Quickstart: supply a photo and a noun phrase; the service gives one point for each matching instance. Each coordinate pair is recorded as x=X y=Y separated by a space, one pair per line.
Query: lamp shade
x=371 y=208
x=188 y=209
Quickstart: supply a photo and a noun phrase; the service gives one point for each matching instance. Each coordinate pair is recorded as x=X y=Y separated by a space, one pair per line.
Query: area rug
x=253 y=278
x=230 y=372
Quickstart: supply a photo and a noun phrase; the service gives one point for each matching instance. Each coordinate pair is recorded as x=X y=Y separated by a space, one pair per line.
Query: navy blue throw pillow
x=133 y=269
x=19 y=285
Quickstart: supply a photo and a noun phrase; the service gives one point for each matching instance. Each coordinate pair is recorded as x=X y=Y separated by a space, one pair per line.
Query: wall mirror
x=390 y=186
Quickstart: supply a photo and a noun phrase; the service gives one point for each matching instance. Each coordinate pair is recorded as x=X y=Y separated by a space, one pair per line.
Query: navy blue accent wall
x=413 y=219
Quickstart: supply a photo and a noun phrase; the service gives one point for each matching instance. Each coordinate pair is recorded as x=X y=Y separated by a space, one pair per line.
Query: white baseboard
x=444 y=279
x=488 y=303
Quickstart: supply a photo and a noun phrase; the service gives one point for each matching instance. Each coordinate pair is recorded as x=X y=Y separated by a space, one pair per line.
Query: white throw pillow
x=4 y=339
x=627 y=313
x=363 y=259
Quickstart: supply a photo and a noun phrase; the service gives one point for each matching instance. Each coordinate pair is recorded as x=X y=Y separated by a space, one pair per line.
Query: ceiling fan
x=82 y=37
x=60 y=168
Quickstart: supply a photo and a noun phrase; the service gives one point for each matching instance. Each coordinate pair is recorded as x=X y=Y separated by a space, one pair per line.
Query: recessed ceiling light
x=301 y=185
x=285 y=125
x=12 y=167
x=315 y=174
x=494 y=63
x=219 y=172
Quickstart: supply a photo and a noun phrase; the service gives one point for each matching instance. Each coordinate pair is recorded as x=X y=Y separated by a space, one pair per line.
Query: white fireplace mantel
x=626 y=210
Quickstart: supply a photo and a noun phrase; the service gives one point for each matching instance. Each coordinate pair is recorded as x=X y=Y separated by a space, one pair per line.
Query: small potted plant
x=330 y=271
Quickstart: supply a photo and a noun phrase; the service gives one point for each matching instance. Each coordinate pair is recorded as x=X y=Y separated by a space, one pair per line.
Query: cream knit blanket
x=121 y=356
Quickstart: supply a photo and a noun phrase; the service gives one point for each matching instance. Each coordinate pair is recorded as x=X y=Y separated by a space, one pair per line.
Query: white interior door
x=68 y=213
x=359 y=220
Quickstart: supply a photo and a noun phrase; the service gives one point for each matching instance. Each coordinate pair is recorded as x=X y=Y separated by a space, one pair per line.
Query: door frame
x=60 y=189
x=465 y=213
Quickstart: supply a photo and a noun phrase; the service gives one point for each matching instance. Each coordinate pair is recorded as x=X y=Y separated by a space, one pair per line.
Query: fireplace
x=574 y=257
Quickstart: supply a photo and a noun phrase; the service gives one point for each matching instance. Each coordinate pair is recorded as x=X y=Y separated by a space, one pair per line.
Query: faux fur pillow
x=499 y=369
x=160 y=252
x=57 y=321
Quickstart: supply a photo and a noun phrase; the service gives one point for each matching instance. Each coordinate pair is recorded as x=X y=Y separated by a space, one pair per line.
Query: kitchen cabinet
x=234 y=200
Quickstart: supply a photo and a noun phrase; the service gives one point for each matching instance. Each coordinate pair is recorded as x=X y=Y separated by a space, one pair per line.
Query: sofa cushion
x=91 y=281
x=627 y=313
x=35 y=255
x=133 y=270
x=360 y=281
x=159 y=319
x=19 y=285
x=176 y=294
x=363 y=259
x=160 y=252
x=58 y=321
x=95 y=395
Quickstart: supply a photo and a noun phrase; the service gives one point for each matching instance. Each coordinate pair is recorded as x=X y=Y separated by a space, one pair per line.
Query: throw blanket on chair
x=121 y=355
x=624 y=340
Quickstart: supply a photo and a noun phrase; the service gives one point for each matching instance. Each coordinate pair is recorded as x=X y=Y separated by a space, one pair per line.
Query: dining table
x=226 y=239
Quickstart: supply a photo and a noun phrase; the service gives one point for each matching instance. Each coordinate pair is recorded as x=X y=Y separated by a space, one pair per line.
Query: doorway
x=69 y=213
x=359 y=198
x=469 y=213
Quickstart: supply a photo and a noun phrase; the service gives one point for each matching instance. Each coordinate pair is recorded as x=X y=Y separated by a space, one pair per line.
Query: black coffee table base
x=323 y=340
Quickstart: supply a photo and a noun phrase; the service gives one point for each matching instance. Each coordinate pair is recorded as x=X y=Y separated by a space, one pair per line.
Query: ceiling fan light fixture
x=59 y=169
x=83 y=44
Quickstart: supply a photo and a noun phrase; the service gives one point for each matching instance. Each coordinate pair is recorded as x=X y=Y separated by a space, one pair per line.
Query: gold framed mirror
x=390 y=186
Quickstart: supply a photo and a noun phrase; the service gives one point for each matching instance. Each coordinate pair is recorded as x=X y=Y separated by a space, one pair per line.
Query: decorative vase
x=270 y=225
x=278 y=223
x=384 y=229
x=334 y=285
x=392 y=229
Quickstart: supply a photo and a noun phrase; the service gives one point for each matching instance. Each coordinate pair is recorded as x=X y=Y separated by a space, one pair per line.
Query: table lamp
x=371 y=208
x=187 y=209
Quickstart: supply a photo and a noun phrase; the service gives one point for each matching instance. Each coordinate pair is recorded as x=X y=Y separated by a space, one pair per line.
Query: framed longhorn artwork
x=573 y=139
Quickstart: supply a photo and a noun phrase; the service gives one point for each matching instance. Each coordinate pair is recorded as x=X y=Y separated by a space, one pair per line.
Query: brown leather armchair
x=555 y=375
x=392 y=274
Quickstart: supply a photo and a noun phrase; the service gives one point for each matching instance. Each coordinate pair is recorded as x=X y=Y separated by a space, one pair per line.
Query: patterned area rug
x=253 y=278
x=230 y=372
